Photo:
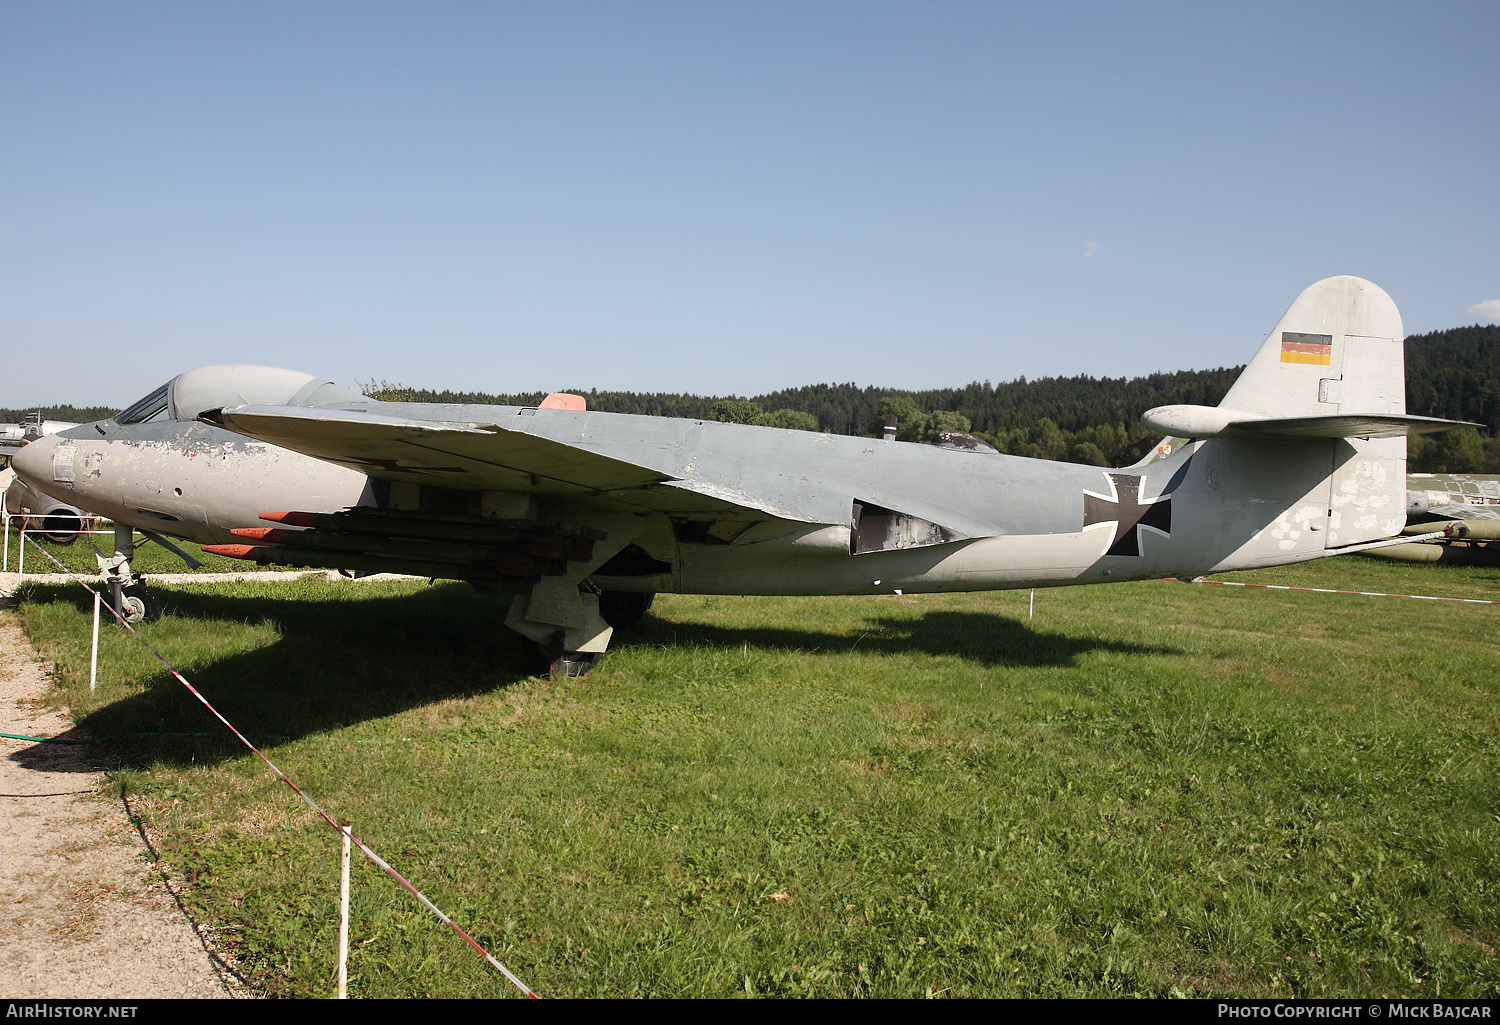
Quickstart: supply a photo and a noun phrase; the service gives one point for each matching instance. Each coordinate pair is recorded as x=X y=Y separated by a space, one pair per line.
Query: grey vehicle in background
x=30 y=509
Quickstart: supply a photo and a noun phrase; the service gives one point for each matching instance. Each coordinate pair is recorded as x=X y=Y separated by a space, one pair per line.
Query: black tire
x=540 y=662
x=623 y=610
x=575 y=663
x=150 y=602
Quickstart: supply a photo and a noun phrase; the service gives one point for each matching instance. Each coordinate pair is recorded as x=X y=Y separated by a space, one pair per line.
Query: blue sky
x=724 y=197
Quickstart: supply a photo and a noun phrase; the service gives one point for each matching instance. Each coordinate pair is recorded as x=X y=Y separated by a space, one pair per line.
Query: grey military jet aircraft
x=583 y=516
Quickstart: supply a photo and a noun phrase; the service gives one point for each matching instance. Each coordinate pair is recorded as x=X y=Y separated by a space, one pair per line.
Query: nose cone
x=33 y=463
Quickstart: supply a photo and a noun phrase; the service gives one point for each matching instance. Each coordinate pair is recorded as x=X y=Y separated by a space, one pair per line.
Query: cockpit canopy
x=233 y=384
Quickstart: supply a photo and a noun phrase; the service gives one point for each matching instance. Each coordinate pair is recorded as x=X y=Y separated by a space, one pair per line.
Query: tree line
x=1083 y=419
x=68 y=414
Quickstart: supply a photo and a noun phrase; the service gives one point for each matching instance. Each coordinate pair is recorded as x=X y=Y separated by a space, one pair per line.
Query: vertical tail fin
x=1337 y=349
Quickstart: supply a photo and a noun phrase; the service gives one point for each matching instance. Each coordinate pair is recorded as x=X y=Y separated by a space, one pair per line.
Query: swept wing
x=470 y=456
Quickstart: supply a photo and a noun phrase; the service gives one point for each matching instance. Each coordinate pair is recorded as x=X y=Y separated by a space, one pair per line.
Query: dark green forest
x=1453 y=374
x=1046 y=418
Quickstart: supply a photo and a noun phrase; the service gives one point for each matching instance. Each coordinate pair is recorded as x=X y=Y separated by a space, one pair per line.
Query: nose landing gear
x=138 y=603
x=131 y=598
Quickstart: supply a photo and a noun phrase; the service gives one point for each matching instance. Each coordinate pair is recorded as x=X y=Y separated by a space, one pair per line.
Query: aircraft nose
x=33 y=462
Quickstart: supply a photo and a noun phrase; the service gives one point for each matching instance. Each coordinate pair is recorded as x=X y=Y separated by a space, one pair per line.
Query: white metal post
x=5 y=515
x=21 y=554
x=94 y=658
x=344 y=912
x=1031 y=605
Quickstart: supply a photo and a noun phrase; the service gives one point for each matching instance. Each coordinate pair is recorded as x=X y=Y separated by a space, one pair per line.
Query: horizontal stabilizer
x=1218 y=422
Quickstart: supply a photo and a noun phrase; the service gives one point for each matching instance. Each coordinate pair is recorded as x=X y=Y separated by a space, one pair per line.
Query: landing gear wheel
x=141 y=604
x=574 y=663
x=623 y=610
x=554 y=662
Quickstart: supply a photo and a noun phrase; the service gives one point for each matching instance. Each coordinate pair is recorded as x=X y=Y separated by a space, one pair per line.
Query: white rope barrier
x=1330 y=590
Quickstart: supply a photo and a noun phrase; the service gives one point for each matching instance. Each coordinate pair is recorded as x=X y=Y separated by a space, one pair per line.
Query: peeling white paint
x=1370 y=486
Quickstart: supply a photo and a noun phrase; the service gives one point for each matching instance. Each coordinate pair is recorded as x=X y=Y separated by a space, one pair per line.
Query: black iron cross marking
x=1124 y=508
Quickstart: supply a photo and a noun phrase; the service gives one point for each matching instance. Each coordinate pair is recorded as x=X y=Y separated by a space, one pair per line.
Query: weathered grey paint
x=1453 y=496
x=188 y=480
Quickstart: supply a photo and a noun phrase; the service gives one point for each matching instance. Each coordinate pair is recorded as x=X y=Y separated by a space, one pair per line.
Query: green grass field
x=1153 y=789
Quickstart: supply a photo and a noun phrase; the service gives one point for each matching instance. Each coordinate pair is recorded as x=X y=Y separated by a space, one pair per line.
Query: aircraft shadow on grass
x=982 y=637
x=339 y=662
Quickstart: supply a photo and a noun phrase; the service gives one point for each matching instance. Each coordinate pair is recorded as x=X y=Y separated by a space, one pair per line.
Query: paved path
x=81 y=917
x=9 y=581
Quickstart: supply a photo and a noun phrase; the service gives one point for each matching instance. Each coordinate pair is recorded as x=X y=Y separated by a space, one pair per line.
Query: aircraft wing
x=471 y=456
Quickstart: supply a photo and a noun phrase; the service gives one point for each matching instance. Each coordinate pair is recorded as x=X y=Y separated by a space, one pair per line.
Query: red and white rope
x=1330 y=590
x=377 y=859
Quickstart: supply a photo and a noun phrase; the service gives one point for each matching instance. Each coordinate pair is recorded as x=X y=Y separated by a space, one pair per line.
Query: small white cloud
x=1092 y=249
x=1487 y=310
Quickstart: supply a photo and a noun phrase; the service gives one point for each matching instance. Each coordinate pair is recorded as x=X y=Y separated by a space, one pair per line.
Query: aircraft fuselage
x=1009 y=521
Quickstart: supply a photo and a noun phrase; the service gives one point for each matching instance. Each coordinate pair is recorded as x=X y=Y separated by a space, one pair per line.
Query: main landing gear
x=623 y=610
x=556 y=662
x=620 y=610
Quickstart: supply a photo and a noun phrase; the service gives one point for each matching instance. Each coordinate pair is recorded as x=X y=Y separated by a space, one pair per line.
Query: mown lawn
x=1157 y=788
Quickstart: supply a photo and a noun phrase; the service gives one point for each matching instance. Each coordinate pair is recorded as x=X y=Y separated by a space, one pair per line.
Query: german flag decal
x=1300 y=348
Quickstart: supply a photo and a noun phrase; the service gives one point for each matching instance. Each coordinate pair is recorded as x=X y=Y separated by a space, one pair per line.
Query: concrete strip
x=83 y=918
